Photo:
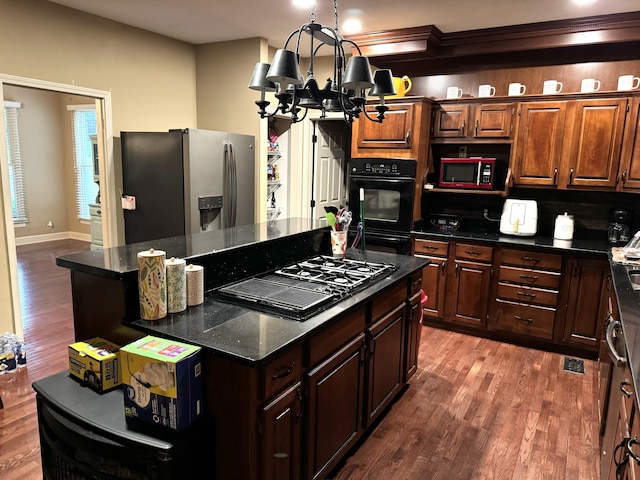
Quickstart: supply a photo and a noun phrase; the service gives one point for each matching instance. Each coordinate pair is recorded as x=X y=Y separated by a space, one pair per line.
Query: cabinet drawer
x=432 y=247
x=388 y=299
x=525 y=294
x=529 y=277
x=335 y=336
x=415 y=283
x=478 y=253
x=525 y=319
x=543 y=261
x=282 y=371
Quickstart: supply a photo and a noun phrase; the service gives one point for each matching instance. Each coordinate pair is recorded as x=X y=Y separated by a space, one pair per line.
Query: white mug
x=454 y=92
x=486 y=91
x=590 y=85
x=551 y=86
x=517 y=89
x=628 y=82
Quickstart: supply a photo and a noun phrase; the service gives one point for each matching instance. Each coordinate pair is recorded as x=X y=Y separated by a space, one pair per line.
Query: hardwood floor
x=476 y=409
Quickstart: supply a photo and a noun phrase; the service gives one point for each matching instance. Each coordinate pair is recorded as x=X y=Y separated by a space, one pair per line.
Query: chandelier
x=345 y=92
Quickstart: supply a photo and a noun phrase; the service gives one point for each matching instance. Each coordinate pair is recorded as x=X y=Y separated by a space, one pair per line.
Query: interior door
x=330 y=179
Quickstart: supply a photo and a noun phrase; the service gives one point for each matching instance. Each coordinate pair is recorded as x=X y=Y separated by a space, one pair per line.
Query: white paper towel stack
x=195 y=285
x=176 y=285
x=152 y=284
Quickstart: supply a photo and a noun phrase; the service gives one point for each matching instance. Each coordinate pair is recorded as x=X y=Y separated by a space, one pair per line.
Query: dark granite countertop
x=251 y=336
x=537 y=241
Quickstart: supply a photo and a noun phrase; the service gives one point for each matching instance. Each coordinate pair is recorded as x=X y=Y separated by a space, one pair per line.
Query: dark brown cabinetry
x=587 y=302
x=434 y=275
x=527 y=293
x=413 y=329
x=473 y=121
x=629 y=171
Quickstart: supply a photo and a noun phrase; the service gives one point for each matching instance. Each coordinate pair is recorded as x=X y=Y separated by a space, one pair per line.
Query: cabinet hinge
x=519 y=112
x=313 y=203
x=314 y=138
x=627 y=107
x=511 y=128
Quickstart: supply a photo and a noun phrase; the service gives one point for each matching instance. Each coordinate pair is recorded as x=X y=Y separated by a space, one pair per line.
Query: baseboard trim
x=49 y=237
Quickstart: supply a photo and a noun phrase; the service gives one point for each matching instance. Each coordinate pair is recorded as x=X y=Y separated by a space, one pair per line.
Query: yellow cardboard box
x=96 y=363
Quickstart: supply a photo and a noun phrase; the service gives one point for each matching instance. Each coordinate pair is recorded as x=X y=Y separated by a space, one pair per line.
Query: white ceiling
x=204 y=21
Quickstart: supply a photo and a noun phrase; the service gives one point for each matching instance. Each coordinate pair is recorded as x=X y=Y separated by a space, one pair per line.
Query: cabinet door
x=281 y=436
x=434 y=278
x=539 y=140
x=395 y=133
x=334 y=408
x=385 y=362
x=451 y=121
x=593 y=155
x=493 y=120
x=629 y=171
x=586 y=309
x=468 y=293
x=412 y=337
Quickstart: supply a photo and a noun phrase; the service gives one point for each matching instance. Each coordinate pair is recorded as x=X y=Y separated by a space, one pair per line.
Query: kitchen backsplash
x=592 y=211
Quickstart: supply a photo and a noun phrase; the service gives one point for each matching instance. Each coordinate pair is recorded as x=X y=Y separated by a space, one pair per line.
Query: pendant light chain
x=335 y=14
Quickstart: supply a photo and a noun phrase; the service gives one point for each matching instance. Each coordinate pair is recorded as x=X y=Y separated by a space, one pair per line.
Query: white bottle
x=564 y=227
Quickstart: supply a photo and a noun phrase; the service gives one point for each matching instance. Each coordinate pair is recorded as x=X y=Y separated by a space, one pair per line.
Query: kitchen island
x=287 y=398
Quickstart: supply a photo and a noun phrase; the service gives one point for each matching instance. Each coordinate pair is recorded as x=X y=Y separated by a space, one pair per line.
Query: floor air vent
x=573 y=365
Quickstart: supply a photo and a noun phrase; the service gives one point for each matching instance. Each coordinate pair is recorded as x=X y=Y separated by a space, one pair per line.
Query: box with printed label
x=95 y=362
x=163 y=382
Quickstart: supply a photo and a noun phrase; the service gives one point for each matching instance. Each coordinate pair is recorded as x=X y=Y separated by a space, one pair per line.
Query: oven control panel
x=384 y=167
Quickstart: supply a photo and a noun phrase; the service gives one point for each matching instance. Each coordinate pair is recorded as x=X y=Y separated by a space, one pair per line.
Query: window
x=84 y=126
x=16 y=179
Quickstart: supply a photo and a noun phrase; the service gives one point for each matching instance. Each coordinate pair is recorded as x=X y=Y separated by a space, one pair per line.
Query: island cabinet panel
x=592 y=154
x=281 y=449
x=629 y=171
x=585 y=310
x=334 y=407
x=413 y=326
x=538 y=146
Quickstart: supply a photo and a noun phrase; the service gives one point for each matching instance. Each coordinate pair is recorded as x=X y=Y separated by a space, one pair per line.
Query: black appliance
x=302 y=289
x=84 y=435
x=619 y=230
x=186 y=181
x=388 y=185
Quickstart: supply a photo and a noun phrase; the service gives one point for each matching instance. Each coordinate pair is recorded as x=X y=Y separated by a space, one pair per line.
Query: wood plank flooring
x=476 y=409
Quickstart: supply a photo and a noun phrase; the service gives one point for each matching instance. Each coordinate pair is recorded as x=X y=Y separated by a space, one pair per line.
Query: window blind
x=16 y=177
x=84 y=125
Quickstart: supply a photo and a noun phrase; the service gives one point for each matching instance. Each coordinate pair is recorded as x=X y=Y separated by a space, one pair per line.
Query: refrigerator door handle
x=234 y=185
x=226 y=187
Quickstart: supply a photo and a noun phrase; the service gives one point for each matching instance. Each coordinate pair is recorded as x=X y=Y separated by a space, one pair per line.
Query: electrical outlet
x=462 y=151
x=49 y=224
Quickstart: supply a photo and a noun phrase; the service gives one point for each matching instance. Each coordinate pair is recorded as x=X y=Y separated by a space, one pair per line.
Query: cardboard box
x=163 y=382
x=96 y=363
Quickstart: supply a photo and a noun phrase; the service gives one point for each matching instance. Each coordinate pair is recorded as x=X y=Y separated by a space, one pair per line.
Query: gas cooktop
x=304 y=288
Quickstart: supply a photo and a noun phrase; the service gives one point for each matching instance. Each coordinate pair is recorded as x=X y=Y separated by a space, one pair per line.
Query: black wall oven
x=388 y=186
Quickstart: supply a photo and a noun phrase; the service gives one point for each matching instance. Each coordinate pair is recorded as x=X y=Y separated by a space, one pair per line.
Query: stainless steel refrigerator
x=186 y=181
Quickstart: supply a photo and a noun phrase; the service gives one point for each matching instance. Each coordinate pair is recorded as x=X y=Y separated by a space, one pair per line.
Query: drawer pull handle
x=531 y=259
x=473 y=252
x=630 y=443
x=430 y=247
x=524 y=294
x=284 y=374
x=624 y=391
x=522 y=319
x=529 y=277
x=442 y=267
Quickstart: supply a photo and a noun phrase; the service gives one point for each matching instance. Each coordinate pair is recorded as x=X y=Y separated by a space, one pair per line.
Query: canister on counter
x=195 y=285
x=176 y=285
x=152 y=284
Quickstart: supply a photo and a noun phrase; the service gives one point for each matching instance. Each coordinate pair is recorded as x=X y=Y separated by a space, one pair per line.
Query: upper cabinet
x=629 y=171
x=469 y=122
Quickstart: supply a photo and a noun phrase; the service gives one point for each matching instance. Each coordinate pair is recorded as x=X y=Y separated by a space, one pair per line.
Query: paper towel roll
x=152 y=284
x=195 y=285
x=176 y=285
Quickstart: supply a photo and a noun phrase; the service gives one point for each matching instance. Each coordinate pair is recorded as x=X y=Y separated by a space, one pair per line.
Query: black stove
x=302 y=289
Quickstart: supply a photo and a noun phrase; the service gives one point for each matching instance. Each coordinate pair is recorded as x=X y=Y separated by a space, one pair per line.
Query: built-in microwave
x=471 y=173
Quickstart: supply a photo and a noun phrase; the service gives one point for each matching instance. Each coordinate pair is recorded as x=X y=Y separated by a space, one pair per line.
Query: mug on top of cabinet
x=454 y=92
x=628 y=82
x=590 y=85
x=517 y=89
x=551 y=86
x=486 y=91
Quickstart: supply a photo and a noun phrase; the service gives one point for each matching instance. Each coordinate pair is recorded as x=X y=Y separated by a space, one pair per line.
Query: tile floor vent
x=573 y=365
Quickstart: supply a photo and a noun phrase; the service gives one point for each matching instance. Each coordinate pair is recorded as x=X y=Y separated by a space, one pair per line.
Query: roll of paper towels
x=152 y=284
x=176 y=285
x=195 y=285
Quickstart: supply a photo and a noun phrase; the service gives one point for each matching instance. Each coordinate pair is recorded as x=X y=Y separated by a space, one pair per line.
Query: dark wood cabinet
x=592 y=152
x=414 y=317
x=587 y=302
x=463 y=121
x=629 y=171
x=434 y=275
x=538 y=145
x=468 y=285
x=281 y=435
